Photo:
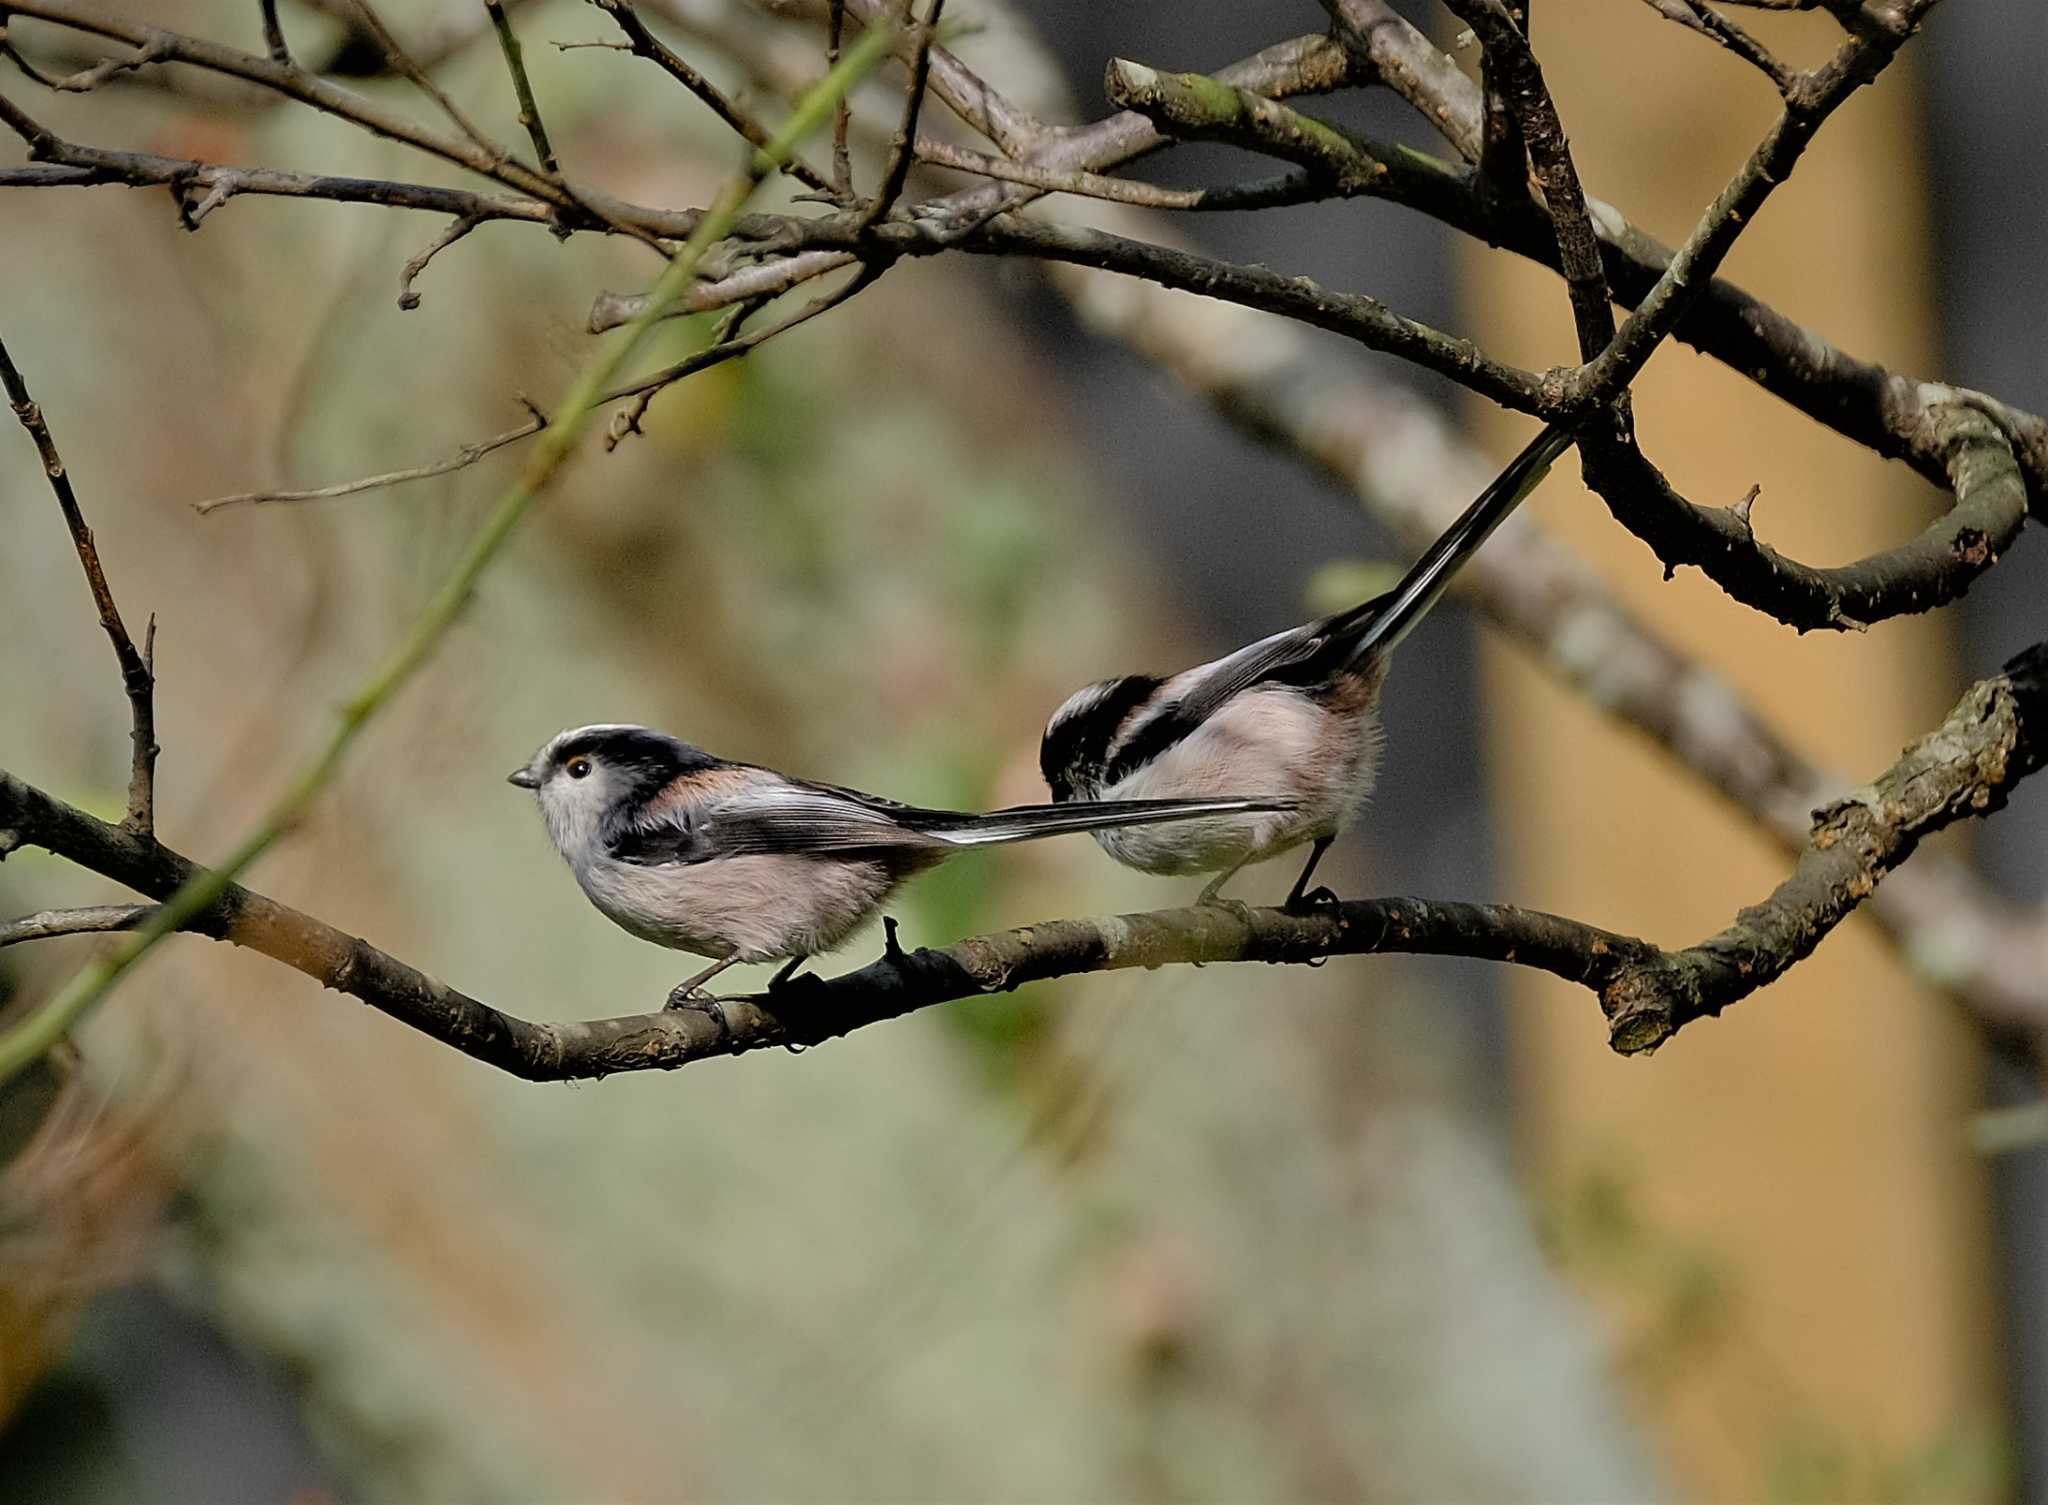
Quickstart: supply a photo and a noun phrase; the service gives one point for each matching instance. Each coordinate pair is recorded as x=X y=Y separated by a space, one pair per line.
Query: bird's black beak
x=523 y=777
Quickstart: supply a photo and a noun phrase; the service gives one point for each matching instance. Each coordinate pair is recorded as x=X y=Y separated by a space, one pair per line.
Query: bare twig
x=460 y=226
x=1996 y=735
x=273 y=34
x=903 y=149
x=767 y=279
x=65 y=164
x=149 y=50
x=296 y=83
x=1394 y=53
x=1697 y=15
x=1356 y=316
x=1513 y=67
x=97 y=919
x=1290 y=188
x=646 y=44
x=1813 y=97
x=1195 y=106
x=401 y=62
x=727 y=348
x=842 y=118
x=137 y=680
x=8 y=50
x=522 y=88
x=1930 y=570
x=468 y=455
x=1503 y=154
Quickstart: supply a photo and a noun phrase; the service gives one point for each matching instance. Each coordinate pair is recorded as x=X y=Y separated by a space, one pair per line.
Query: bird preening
x=1204 y=771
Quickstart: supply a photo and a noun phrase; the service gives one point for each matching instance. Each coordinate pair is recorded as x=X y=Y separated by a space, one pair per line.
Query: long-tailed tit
x=1293 y=716
x=744 y=864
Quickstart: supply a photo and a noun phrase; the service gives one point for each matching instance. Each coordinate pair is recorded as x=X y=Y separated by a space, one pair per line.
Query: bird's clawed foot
x=892 y=949
x=692 y=994
x=1237 y=907
x=1315 y=899
x=699 y=1001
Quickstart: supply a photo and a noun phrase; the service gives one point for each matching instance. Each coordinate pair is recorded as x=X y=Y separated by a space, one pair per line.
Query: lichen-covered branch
x=1996 y=736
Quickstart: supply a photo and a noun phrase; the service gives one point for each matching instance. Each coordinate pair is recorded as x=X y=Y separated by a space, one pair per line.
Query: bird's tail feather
x=1395 y=614
x=1028 y=822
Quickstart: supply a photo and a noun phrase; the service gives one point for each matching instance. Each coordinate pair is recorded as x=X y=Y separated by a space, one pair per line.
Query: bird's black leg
x=789 y=970
x=1301 y=898
x=892 y=949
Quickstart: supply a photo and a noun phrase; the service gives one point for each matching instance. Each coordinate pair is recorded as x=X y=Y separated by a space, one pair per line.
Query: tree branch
x=1812 y=98
x=138 y=681
x=1697 y=15
x=896 y=985
x=273 y=34
x=1996 y=736
x=646 y=44
x=96 y=919
x=522 y=87
x=1403 y=461
x=52 y=1020
x=903 y=149
x=1938 y=566
x=1861 y=400
x=1510 y=61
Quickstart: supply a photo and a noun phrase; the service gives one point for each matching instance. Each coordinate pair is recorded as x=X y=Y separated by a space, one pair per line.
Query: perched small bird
x=744 y=864
x=1292 y=717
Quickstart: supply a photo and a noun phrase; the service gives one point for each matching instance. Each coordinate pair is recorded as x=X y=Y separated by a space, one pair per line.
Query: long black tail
x=1395 y=614
x=1028 y=822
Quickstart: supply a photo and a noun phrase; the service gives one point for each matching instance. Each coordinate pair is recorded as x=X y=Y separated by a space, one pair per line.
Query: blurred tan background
x=1412 y=1234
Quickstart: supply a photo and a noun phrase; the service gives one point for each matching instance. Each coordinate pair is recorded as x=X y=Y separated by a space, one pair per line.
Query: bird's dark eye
x=579 y=768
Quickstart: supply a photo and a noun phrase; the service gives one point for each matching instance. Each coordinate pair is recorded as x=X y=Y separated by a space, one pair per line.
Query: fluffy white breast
x=757 y=908
x=1272 y=740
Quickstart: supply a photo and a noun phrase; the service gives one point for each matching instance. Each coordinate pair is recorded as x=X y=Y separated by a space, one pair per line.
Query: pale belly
x=758 y=908
x=1272 y=743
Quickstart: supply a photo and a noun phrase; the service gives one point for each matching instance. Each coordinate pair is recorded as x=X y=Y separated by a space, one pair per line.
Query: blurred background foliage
x=1216 y=1234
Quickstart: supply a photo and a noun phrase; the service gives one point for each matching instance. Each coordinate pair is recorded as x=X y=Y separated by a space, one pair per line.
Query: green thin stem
x=62 y=1013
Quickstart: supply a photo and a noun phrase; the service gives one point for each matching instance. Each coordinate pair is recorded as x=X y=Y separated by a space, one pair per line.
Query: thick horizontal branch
x=810 y=1010
x=1996 y=736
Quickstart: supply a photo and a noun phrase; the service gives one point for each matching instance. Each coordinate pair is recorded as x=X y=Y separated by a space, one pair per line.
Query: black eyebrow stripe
x=1084 y=739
